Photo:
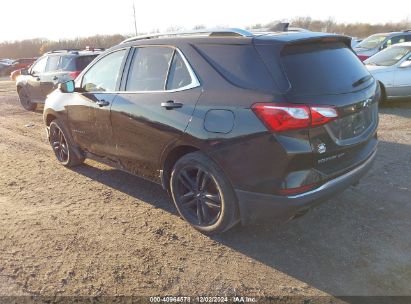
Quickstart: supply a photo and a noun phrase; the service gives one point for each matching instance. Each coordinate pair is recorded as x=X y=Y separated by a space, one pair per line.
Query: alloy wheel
x=199 y=196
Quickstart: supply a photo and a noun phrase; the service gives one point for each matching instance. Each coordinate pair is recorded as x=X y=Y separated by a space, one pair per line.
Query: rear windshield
x=323 y=68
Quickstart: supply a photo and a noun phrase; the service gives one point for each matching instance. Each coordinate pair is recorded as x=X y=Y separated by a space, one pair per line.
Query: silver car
x=392 y=68
x=375 y=43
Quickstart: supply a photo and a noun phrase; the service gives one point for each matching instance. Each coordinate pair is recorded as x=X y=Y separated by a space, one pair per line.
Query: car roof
x=231 y=35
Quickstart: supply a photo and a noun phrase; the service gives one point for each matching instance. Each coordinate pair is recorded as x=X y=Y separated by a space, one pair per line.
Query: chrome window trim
x=193 y=84
x=194 y=80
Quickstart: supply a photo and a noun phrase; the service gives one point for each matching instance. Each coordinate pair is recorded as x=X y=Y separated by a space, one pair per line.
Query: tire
x=63 y=146
x=26 y=101
x=203 y=195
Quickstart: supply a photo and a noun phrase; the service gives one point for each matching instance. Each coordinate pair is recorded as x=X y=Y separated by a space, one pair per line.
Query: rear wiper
x=361 y=81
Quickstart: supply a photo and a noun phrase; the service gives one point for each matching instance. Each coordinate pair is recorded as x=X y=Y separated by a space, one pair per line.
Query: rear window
x=323 y=68
x=75 y=63
x=83 y=61
x=238 y=64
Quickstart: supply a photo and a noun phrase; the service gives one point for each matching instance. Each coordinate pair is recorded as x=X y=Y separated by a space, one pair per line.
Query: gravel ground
x=96 y=231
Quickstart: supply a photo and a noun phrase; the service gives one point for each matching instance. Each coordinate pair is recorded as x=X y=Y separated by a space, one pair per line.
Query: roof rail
x=63 y=50
x=210 y=32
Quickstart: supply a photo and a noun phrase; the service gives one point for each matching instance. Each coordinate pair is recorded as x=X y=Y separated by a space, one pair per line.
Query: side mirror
x=24 y=72
x=406 y=64
x=67 y=87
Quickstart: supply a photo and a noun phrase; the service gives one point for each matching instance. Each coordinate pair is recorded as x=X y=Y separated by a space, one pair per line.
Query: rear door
x=402 y=79
x=154 y=108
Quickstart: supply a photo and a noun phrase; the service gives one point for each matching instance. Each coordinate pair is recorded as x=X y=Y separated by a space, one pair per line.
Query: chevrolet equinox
x=236 y=126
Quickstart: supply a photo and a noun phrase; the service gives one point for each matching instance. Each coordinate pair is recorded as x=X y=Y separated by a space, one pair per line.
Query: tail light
x=363 y=57
x=284 y=117
x=74 y=74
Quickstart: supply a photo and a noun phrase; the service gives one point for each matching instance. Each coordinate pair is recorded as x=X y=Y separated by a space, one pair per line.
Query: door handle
x=102 y=103
x=171 y=105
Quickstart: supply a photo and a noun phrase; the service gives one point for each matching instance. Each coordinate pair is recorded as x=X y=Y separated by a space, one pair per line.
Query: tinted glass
x=388 y=56
x=322 y=68
x=372 y=42
x=52 y=63
x=239 y=64
x=67 y=63
x=83 y=61
x=40 y=66
x=104 y=75
x=178 y=76
x=148 y=71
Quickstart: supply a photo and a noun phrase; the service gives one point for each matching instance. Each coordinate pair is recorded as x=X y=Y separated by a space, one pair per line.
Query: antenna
x=135 y=20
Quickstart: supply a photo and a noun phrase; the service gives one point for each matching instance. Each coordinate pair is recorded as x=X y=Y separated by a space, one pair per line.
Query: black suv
x=48 y=71
x=236 y=126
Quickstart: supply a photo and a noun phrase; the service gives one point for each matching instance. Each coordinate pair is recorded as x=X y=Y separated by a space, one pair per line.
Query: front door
x=154 y=109
x=89 y=108
x=34 y=79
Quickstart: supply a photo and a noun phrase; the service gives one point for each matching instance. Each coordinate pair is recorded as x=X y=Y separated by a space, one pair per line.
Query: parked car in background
x=34 y=84
x=5 y=64
x=22 y=63
x=15 y=74
x=236 y=126
x=375 y=43
x=18 y=65
x=355 y=41
x=392 y=68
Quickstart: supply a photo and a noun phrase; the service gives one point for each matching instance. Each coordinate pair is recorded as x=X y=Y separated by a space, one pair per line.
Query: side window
x=148 y=70
x=397 y=39
x=408 y=38
x=40 y=66
x=52 y=63
x=103 y=76
x=66 y=63
x=178 y=75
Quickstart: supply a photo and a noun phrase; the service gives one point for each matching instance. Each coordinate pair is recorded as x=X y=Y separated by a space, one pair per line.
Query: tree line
x=37 y=47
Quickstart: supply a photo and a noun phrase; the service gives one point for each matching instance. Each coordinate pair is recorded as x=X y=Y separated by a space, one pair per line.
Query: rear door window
x=323 y=68
x=149 y=68
x=178 y=76
x=52 y=63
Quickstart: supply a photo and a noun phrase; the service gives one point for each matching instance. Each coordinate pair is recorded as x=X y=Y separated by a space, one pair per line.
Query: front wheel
x=203 y=195
x=63 y=146
x=26 y=101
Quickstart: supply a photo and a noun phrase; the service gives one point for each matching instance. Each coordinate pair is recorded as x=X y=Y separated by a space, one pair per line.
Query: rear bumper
x=258 y=207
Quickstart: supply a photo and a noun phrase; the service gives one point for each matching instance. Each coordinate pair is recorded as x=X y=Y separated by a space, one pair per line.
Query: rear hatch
x=326 y=72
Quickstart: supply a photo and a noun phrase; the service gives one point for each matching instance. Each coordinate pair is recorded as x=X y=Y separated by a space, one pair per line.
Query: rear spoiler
x=326 y=38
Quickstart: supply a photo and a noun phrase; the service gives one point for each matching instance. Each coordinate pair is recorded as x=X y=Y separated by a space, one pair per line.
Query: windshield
x=388 y=56
x=372 y=42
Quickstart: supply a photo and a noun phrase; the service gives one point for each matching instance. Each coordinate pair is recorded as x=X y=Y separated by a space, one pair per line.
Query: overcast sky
x=66 y=19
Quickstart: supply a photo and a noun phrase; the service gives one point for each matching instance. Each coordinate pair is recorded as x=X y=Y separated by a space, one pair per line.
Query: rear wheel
x=63 y=146
x=203 y=195
x=25 y=100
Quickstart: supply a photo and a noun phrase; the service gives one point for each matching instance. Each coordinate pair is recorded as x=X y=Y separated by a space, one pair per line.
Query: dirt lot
x=99 y=231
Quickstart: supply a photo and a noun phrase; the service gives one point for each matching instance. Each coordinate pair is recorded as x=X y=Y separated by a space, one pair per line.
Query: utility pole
x=135 y=20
